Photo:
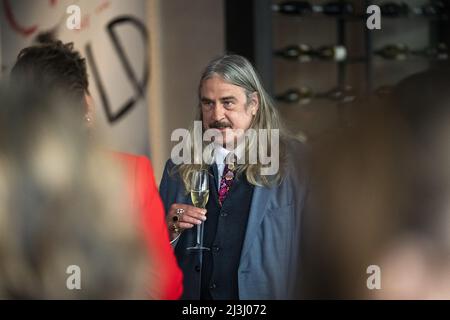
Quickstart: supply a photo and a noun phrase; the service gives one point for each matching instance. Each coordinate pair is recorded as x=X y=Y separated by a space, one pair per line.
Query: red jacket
x=146 y=200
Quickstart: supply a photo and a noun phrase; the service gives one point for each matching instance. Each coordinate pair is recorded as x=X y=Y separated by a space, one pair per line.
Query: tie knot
x=228 y=173
x=230 y=161
x=225 y=183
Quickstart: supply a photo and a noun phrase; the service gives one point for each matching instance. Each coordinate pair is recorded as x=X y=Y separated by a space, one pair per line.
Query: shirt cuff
x=174 y=241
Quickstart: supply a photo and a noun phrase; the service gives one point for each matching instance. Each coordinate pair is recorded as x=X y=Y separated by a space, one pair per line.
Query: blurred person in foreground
x=423 y=100
x=381 y=208
x=52 y=65
x=56 y=215
x=252 y=219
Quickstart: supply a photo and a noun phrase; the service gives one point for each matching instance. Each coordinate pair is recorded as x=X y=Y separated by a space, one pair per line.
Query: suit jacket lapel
x=257 y=211
x=213 y=193
x=216 y=176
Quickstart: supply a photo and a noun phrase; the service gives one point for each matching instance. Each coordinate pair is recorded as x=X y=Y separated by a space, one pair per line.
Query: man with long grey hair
x=257 y=190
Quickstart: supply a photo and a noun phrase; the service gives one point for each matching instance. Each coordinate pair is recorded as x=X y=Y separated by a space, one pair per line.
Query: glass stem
x=199 y=233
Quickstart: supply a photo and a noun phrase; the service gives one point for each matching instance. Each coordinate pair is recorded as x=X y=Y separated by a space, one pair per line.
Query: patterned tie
x=225 y=183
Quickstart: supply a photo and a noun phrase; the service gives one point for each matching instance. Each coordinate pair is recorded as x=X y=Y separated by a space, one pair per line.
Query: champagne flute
x=199 y=196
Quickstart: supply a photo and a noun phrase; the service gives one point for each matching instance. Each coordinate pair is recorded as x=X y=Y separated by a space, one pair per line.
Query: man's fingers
x=185 y=225
x=187 y=207
x=191 y=215
x=196 y=215
x=186 y=218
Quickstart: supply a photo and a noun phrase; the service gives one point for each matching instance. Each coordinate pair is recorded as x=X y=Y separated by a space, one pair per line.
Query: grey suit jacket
x=270 y=257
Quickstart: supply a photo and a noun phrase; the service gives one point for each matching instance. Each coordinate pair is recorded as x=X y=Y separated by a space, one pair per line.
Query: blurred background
x=315 y=57
x=380 y=178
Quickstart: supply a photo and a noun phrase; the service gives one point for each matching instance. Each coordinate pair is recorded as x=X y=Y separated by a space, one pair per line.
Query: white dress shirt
x=220 y=153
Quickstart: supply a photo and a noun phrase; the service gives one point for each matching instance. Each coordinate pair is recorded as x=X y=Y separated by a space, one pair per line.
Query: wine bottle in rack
x=305 y=53
x=440 y=52
x=384 y=91
x=335 y=8
x=435 y=9
x=302 y=96
x=301 y=52
x=335 y=53
x=344 y=94
x=394 y=9
x=295 y=8
x=302 y=8
x=393 y=52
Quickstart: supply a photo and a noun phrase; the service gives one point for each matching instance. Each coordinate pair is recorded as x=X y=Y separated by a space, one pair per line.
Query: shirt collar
x=220 y=153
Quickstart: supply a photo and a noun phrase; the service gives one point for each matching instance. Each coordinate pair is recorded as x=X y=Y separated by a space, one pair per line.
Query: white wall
x=128 y=133
x=187 y=34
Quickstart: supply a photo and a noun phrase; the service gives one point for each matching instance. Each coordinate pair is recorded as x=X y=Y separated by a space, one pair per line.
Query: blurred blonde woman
x=61 y=236
x=54 y=64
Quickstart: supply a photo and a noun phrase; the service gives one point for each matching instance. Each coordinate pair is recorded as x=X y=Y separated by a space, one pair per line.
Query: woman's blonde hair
x=56 y=214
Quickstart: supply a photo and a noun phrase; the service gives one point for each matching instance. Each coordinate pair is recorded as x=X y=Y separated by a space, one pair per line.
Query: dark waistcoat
x=224 y=234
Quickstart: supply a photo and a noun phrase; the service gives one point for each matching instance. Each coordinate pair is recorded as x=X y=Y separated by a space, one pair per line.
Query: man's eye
x=227 y=103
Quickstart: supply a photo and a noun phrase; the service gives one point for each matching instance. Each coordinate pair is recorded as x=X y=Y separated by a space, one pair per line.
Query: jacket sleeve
x=165 y=269
x=168 y=187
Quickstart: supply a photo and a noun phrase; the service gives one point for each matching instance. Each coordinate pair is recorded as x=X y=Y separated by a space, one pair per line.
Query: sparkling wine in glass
x=199 y=196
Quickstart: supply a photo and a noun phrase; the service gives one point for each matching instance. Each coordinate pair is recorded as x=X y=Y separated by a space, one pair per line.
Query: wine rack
x=328 y=54
x=344 y=12
x=336 y=65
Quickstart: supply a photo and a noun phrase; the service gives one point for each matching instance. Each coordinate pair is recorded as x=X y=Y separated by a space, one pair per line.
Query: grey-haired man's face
x=225 y=107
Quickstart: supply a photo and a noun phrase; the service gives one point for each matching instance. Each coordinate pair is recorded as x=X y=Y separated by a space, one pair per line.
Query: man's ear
x=254 y=103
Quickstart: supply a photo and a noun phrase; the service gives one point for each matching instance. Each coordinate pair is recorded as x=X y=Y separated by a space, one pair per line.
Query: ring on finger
x=176 y=228
x=178 y=214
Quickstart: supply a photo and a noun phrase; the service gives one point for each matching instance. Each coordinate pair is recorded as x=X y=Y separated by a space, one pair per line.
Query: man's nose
x=218 y=112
